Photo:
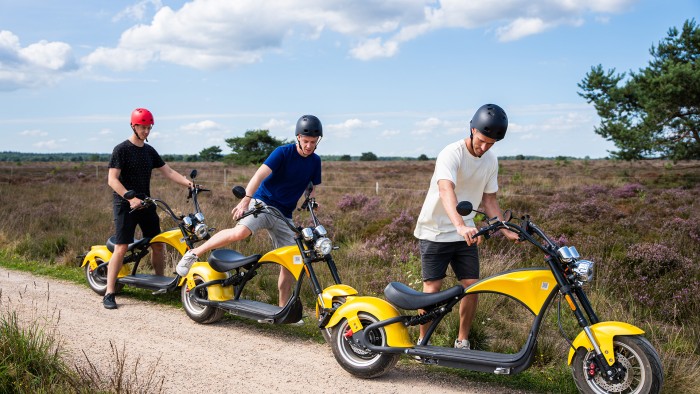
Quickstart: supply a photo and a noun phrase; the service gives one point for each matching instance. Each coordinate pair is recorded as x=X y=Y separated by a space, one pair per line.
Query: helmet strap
x=137 y=134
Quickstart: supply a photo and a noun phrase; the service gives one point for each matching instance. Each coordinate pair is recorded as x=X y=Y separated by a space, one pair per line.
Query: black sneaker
x=109 y=302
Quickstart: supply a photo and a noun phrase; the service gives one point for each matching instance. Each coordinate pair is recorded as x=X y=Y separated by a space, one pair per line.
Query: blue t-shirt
x=291 y=174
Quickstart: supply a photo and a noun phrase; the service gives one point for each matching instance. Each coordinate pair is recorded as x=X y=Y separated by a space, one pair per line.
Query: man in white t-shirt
x=464 y=171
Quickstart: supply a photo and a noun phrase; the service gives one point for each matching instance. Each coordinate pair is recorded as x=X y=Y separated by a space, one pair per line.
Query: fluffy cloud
x=37 y=64
x=211 y=34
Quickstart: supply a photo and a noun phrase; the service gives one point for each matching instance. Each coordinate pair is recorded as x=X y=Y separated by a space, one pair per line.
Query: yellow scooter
x=218 y=285
x=370 y=334
x=190 y=230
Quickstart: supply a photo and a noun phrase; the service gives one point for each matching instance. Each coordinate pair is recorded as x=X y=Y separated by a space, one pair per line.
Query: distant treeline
x=97 y=157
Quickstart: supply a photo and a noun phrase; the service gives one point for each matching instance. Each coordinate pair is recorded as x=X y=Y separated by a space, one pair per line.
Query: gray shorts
x=280 y=233
x=436 y=256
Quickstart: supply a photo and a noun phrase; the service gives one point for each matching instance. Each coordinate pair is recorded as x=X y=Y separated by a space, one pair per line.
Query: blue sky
x=392 y=77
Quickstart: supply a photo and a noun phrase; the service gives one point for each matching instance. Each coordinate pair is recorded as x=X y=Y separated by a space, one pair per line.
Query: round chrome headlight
x=583 y=269
x=323 y=246
x=201 y=230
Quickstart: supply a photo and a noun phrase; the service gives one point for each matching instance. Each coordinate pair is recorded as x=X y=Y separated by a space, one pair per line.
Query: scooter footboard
x=604 y=333
x=203 y=271
x=396 y=333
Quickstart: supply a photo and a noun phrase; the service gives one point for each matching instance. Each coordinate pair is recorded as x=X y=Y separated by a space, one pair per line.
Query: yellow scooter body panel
x=286 y=256
x=604 y=333
x=325 y=299
x=101 y=252
x=529 y=286
x=173 y=238
x=396 y=333
x=204 y=271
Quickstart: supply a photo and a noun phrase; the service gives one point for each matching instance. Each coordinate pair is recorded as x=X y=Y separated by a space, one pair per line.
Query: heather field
x=638 y=221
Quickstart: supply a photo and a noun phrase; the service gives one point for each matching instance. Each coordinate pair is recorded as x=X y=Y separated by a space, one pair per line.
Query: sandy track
x=219 y=358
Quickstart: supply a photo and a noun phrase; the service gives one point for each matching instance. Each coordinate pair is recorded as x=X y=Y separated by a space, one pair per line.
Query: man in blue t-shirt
x=279 y=182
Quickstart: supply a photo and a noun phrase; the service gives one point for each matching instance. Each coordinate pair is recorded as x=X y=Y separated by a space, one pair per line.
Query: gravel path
x=220 y=358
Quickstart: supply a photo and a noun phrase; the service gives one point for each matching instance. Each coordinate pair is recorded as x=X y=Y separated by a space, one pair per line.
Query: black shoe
x=109 y=302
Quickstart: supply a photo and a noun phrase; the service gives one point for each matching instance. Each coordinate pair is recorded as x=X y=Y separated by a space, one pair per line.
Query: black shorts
x=436 y=256
x=125 y=222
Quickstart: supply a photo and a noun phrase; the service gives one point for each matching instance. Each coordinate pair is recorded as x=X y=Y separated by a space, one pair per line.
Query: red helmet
x=141 y=116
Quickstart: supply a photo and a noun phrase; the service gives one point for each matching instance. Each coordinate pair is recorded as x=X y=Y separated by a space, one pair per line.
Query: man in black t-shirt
x=130 y=169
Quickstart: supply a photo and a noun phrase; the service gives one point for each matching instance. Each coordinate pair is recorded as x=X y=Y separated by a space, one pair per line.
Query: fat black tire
x=358 y=361
x=204 y=314
x=97 y=279
x=635 y=353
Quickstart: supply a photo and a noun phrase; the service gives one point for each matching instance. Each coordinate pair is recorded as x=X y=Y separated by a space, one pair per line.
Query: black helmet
x=309 y=126
x=491 y=121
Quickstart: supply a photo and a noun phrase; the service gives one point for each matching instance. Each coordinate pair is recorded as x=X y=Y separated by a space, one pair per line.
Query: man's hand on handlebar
x=468 y=232
x=241 y=208
x=136 y=203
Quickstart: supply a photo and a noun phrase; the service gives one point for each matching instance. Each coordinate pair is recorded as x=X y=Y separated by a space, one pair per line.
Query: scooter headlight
x=583 y=269
x=323 y=246
x=201 y=230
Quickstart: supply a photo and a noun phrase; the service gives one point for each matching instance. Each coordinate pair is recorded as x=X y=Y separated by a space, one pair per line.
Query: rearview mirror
x=238 y=191
x=309 y=189
x=129 y=194
x=193 y=174
x=464 y=208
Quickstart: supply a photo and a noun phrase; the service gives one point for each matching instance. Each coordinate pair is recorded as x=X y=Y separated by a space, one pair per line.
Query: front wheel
x=635 y=357
x=97 y=278
x=204 y=314
x=355 y=359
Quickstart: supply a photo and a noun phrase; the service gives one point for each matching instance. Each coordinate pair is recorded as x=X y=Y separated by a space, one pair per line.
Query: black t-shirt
x=136 y=164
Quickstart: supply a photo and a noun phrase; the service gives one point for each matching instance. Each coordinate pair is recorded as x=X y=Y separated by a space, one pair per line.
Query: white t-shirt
x=472 y=177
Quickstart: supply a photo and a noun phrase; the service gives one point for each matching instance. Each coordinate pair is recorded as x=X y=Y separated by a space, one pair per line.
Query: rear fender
x=101 y=252
x=396 y=333
x=604 y=333
x=204 y=271
x=97 y=251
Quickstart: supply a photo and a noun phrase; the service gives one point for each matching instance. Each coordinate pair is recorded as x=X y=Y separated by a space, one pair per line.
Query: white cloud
x=389 y=133
x=33 y=133
x=51 y=144
x=38 y=64
x=211 y=34
x=276 y=124
x=202 y=127
x=137 y=11
x=520 y=28
x=348 y=127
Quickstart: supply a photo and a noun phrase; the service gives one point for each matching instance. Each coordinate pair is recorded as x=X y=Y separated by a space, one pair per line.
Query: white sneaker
x=463 y=344
x=183 y=267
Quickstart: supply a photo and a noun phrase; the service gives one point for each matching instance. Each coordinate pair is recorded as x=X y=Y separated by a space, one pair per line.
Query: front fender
x=204 y=271
x=604 y=333
x=173 y=238
x=396 y=333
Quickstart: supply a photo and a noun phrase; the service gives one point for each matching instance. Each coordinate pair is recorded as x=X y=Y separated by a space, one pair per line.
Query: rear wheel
x=635 y=357
x=204 y=314
x=97 y=278
x=356 y=359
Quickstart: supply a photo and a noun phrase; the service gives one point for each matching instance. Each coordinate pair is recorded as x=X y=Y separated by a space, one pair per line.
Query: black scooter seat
x=223 y=260
x=407 y=298
x=136 y=244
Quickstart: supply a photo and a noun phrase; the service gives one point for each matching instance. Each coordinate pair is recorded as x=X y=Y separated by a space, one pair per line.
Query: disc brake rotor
x=620 y=386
